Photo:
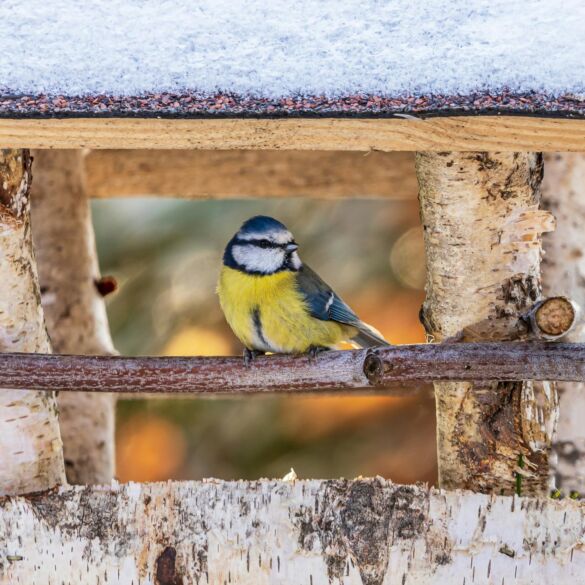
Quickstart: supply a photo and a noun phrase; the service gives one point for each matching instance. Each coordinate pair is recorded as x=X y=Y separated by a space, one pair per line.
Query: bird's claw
x=314 y=351
x=250 y=355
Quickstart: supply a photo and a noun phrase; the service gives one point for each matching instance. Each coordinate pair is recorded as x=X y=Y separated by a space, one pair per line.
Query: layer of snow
x=275 y=48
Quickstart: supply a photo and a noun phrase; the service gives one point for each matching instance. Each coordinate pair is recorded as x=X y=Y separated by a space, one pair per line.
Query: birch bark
x=362 y=532
x=482 y=229
x=31 y=456
x=74 y=309
x=563 y=193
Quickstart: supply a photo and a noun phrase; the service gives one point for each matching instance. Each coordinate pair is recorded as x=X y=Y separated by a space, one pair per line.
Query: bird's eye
x=264 y=244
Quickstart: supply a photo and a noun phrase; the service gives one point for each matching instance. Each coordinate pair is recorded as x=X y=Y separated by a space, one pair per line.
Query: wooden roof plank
x=465 y=133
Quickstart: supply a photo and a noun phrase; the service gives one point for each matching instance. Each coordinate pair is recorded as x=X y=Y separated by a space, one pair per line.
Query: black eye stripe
x=264 y=244
x=259 y=243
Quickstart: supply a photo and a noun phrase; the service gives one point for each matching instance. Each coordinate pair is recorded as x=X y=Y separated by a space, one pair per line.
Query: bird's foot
x=314 y=351
x=250 y=355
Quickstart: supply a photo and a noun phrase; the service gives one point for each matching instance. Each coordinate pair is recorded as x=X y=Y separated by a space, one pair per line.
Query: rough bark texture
x=564 y=273
x=483 y=227
x=362 y=532
x=395 y=369
x=31 y=457
x=74 y=309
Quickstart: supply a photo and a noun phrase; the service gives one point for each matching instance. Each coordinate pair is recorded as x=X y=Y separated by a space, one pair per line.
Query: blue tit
x=275 y=303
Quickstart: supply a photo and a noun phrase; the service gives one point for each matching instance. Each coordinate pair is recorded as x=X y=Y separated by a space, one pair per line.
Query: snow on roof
x=273 y=52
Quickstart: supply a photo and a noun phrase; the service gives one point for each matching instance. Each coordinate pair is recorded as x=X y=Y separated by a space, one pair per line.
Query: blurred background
x=166 y=255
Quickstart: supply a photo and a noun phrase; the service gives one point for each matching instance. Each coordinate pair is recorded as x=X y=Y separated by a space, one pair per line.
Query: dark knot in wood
x=166 y=572
x=374 y=369
x=106 y=285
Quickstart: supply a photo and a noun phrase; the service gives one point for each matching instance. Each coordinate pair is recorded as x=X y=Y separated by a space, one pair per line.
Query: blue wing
x=326 y=305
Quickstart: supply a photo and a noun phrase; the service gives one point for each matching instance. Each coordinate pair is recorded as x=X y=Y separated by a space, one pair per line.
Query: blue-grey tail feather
x=324 y=304
x=366 y=338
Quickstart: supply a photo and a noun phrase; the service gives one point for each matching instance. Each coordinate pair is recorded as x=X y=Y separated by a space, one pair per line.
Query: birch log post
x=563 y=193
x=74 y=308
x=31 y=457
x=362 y=532
x=482 y=229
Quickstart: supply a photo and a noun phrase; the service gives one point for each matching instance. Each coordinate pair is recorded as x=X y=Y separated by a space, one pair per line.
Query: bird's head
x=262 y=246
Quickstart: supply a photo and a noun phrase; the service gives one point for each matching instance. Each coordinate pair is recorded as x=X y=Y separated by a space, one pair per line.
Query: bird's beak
x=292 y=247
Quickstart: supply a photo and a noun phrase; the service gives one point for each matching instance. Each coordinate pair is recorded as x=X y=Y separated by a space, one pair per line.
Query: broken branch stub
x=31 y=456
x=553 y=318
x=482 y=229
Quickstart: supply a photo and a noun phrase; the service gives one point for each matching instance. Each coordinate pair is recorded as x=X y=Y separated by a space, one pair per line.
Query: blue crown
x=261 y=224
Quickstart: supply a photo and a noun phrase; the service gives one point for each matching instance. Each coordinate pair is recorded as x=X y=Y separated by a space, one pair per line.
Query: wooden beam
x=366 y=531
x=249 y=173
x=393 y=367
x=464 y=133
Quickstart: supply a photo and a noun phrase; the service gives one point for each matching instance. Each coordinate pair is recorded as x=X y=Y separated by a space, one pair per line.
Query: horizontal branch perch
x=357 y=532
x=393 y=367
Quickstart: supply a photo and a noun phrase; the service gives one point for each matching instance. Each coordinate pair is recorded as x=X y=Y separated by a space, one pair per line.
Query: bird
x=274 y=303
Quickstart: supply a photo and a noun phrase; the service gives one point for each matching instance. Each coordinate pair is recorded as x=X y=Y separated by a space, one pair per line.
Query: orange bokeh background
x=170 y=295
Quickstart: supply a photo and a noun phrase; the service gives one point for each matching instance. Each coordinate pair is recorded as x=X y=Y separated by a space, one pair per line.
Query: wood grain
x=395 y=367
x=465 y=133
x=249 y=173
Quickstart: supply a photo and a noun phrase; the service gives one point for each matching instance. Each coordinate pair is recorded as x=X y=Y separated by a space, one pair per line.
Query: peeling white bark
x=362 y=532
x=74 y=309
x=31 y=456
x=563 y=193
x=482 y=228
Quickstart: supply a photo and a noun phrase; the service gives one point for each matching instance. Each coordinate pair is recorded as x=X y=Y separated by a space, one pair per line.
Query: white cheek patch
x=295 y=261
x=278 y=237
x=254 y=259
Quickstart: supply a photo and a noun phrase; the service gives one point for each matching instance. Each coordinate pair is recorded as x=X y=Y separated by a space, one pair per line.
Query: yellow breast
x=269 y=313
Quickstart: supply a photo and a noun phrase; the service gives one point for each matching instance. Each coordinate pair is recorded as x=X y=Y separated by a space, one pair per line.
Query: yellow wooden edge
x=465 y=133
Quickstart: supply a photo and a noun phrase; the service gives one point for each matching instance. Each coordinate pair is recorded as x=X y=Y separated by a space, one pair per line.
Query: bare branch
x=337 y=371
